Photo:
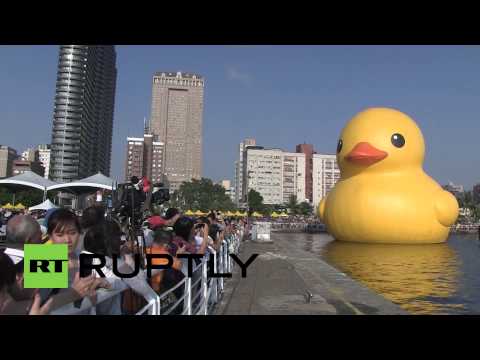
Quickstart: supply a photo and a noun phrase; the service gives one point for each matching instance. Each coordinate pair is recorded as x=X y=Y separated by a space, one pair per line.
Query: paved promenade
x=285 y=280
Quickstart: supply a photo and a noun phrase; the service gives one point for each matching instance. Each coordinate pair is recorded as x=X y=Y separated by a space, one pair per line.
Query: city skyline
x=279 y=95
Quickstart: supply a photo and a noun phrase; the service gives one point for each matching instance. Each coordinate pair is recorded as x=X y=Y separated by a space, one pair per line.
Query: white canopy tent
x=87 y=185
x=46 y=205
x=28 y=179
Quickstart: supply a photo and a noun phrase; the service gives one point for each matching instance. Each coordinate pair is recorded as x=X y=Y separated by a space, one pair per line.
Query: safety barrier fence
x=200 y=293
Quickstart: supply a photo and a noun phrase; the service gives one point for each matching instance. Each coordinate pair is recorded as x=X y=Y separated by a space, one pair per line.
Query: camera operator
x=138 y=194
x=132 y=198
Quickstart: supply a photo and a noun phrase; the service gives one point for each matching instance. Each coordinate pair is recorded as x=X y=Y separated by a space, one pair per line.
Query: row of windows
x=177 y=82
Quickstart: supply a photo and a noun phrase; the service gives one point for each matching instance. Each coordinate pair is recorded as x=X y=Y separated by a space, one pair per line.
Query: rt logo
x=46 y=266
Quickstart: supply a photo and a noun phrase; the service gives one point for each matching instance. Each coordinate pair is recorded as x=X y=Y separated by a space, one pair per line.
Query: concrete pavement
x=286 y=280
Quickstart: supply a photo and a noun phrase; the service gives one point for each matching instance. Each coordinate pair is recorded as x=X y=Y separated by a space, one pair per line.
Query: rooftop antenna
x=146 y=128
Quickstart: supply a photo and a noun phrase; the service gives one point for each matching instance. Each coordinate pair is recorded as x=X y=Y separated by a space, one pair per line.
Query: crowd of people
x=293 y=223
x=94 y=232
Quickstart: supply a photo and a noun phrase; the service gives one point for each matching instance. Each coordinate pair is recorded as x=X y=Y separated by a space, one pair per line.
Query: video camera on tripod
x=160 y=194
x=134 y=200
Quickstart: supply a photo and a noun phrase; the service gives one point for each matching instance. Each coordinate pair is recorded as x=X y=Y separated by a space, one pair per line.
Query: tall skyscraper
x=307 y=149
x=239 y=170
x=176 y=120
x=83 y=112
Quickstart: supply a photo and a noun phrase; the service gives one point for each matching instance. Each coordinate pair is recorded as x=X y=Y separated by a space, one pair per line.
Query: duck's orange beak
x=365 y=154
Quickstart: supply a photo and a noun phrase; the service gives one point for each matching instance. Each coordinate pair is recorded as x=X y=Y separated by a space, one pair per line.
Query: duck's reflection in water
x=409 y=275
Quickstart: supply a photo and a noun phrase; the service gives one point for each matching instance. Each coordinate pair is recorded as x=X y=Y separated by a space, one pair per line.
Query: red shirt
x=146 y=185
x=156 y=221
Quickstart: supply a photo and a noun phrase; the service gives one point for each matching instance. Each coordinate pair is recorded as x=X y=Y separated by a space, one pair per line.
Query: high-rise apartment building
x=325 y=175
x=239 y=171
x=293 y=176
x=307 y=149
x=275 y=174
x=144 y=157
x=44 y=158
x=83 y=112
x=263 y=172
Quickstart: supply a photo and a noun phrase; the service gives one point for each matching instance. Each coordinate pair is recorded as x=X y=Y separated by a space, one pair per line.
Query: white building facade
x=275 y=174
x=239 y=171
x=44 y=158
x=264 y=174
x=294 y=176
x=229 y=190
x=325 y=175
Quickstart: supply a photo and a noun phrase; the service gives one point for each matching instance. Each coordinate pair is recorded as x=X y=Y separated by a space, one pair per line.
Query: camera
x=160 y=194
x=128 y=202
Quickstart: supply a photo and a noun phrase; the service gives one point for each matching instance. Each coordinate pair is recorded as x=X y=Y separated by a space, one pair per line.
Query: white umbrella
x=46 y=205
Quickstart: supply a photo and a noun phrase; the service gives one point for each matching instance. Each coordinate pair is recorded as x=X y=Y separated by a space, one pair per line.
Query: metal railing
x=200 y=292
x=467 y=228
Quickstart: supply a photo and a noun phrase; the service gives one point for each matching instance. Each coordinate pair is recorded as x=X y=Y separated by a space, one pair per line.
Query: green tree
x=255 y=201
x=476 y=213
x=304 y=208
x=201 y=195
x=28 y=197
x=268 y=209
x=292 y=204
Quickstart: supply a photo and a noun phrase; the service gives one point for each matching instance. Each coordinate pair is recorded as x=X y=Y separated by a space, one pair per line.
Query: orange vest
x=157 y=278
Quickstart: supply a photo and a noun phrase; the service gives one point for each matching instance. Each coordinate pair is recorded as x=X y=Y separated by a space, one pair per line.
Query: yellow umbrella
x=19 y=206
x=199 y=213
x=189 y=212
x=257 y=214
x=275 y=215
x=283 y=214
x=238 y=213
x=244 y=214
x=229 y=213
x=8 y=206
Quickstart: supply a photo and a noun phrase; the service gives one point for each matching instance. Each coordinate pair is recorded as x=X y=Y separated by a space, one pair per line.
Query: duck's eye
x=339 y=146
x=398 y=140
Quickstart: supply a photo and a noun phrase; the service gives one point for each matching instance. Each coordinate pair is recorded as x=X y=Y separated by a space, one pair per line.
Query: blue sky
x=280 y=95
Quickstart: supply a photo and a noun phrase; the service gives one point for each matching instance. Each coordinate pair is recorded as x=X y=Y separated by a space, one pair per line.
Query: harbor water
x=422 y=279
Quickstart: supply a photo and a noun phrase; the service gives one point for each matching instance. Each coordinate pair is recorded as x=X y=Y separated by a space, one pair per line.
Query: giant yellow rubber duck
x=383 y=195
